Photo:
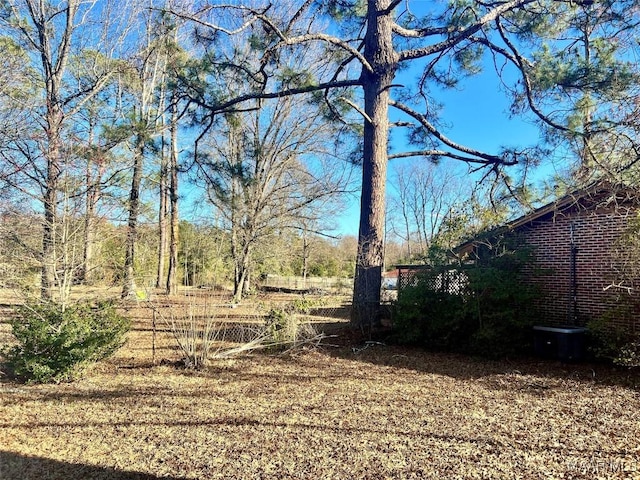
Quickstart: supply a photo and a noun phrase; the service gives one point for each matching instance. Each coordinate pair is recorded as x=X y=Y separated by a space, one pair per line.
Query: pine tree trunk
x=380 y=54
x=93 y=191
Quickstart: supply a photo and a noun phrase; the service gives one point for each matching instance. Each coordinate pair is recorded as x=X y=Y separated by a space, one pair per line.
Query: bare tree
x=266 y=172
x=51 y=34
x=425 y=197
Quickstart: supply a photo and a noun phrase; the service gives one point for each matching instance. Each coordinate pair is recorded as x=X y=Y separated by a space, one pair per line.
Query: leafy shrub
x=431 y=318
x=55 y=343
x=281 y=327
x=629 y=355
x=483 y=309
x=501 y=303
x=304 y=305
x=284 y=330
x=611 y=343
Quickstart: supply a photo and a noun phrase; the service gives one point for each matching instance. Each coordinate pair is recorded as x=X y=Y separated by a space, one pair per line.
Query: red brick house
x=585 y=270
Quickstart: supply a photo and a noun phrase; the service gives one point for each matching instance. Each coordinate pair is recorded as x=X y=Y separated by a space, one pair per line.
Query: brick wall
x=596 y=232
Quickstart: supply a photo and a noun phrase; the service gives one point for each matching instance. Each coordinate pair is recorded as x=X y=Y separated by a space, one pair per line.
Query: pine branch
x=463 y=34
x=523 y=64
x=482 y=157
x=226 y=105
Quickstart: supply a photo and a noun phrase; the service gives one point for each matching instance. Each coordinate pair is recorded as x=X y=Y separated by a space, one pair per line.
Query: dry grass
x=335 y=412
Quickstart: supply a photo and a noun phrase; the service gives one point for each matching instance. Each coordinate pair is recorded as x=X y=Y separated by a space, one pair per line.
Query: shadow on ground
x=18 y=467
x=380 y=350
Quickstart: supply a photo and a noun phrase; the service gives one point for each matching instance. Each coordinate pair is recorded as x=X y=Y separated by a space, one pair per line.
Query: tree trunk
x=93 y=191
x=380 y=54
x=162 y=215
x=128 y=284
x=588 y=160
x=241 y=285
x=54 y=126
x=172 y=283
x=48 y=270
x=305 y=258
x=241 y=253
x=238 y=288
x=408 y=233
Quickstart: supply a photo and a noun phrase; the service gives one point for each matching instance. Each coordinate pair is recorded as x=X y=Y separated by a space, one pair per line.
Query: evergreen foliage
x=56 y=343
x=483 y=309
x=609 y=341
x=614 y=344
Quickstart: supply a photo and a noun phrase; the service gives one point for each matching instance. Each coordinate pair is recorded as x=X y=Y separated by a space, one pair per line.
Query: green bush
x=629 y=354
x=501 y=304
x=56 y=343
x=285 y=330
x=488 y=312
x=430 y=318
x=281 y=328
x=614 y=344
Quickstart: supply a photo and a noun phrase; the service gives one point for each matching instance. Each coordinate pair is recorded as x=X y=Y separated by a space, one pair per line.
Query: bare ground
x=343 y=411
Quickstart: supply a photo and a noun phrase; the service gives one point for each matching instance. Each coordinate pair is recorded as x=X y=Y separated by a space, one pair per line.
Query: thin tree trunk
x=408 y=232
x=588 y=160
x=172 y=282
x=93 y=193
x=235 y=255
x=368 y=276
x=128 y=284
x=305 y=258
x=162 y=215
x=92 y=185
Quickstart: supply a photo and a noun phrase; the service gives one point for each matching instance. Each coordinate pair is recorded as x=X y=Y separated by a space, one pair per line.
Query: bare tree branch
x=327 y=39
x=357 y=108
x=422 y=32
x=195 y=18
x=448 y=154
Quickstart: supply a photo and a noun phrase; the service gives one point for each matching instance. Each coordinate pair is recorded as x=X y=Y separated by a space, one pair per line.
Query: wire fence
x=333 y=284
